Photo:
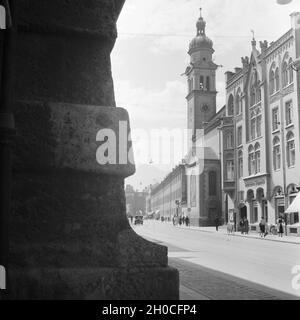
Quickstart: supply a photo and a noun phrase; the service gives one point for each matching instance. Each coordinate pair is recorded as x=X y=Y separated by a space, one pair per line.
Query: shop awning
x=295 y=205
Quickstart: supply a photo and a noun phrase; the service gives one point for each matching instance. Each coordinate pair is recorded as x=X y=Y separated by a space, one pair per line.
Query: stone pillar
x=69 y=235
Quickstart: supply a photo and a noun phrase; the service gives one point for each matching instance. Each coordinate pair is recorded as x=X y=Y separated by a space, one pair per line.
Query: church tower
x=201 y=79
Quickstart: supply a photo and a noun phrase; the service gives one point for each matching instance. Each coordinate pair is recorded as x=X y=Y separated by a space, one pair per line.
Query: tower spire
x=253 y=42
x=201 y=24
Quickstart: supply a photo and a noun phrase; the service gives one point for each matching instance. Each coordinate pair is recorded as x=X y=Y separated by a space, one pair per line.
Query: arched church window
x=201 y=83
x=276 y=80
x=238 y=103
x=272 y=81
x=253 y=125
x=251 y=160
x=285 y=74
x=258 y=122
x=230 y=108
x=207 y=83
x=257 y=157
x=252 y=96
x=291 y=71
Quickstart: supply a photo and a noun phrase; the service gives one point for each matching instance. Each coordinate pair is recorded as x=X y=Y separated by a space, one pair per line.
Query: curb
x=239 y=235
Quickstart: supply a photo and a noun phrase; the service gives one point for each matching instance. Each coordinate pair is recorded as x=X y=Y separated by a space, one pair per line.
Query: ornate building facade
x=261 y=156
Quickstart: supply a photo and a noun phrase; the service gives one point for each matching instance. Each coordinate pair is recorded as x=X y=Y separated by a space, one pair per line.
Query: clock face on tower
x=205 y=108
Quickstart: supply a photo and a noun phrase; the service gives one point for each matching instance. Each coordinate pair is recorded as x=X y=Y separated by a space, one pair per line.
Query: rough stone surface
x=66 y=137
x=98 y=284
x=69 y=235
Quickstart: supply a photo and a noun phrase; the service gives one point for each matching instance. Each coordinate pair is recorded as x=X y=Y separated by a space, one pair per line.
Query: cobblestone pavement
x=199 y=283
x=216 y=266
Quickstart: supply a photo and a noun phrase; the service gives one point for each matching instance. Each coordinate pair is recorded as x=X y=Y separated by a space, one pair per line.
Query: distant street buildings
x=243 y=161
x=135 y=201
x=169 y=198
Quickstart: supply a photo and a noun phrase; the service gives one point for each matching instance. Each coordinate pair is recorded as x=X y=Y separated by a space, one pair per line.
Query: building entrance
x=243 y=212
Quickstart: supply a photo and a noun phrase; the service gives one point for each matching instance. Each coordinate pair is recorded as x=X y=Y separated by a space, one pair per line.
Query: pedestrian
x=230 y=227
x=242 y=226
x=217 y=223
x=187 y=221
x=183 y=220
x=180 y=221
x=262 y=227
x=280 y=227
x=246 y=226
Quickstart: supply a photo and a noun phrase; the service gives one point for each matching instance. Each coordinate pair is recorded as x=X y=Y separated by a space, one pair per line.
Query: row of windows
x=229 y=141
x=290 y=151
x=254 y=163
x=287 y=78
x=256 y=124
x=288 y=116
x=237 y=102
x=254 y=156
x=167 y=198
x=286 y=75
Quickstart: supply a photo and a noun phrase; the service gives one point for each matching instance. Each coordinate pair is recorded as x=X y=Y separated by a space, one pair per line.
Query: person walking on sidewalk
x=262 y=227
x=246 y=226
x=280 y=227
x=217 y=223
x=242 y=226
x=187 y=221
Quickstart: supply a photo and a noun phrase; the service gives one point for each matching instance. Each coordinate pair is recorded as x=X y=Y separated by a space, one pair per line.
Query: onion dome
x=201 y=41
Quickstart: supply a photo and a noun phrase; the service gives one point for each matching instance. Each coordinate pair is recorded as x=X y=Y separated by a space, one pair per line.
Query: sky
x=150 y=57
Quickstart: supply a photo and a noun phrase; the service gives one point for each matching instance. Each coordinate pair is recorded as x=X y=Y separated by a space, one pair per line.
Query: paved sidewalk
x=251 y=235
x=200 y=283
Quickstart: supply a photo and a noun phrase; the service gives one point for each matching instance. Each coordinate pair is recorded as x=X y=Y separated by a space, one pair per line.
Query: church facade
x=243 y=161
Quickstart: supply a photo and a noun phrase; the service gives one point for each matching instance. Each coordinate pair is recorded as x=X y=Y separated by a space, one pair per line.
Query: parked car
x=138 y=220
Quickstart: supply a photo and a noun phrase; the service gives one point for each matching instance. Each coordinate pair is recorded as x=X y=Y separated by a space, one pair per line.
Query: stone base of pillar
x=94 y=284
x=69 y=234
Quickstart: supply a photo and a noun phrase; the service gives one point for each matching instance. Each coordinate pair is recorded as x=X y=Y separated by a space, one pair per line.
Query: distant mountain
x=146 y=175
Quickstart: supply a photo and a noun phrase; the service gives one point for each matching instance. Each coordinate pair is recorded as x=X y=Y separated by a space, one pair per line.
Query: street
x=217 y=266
